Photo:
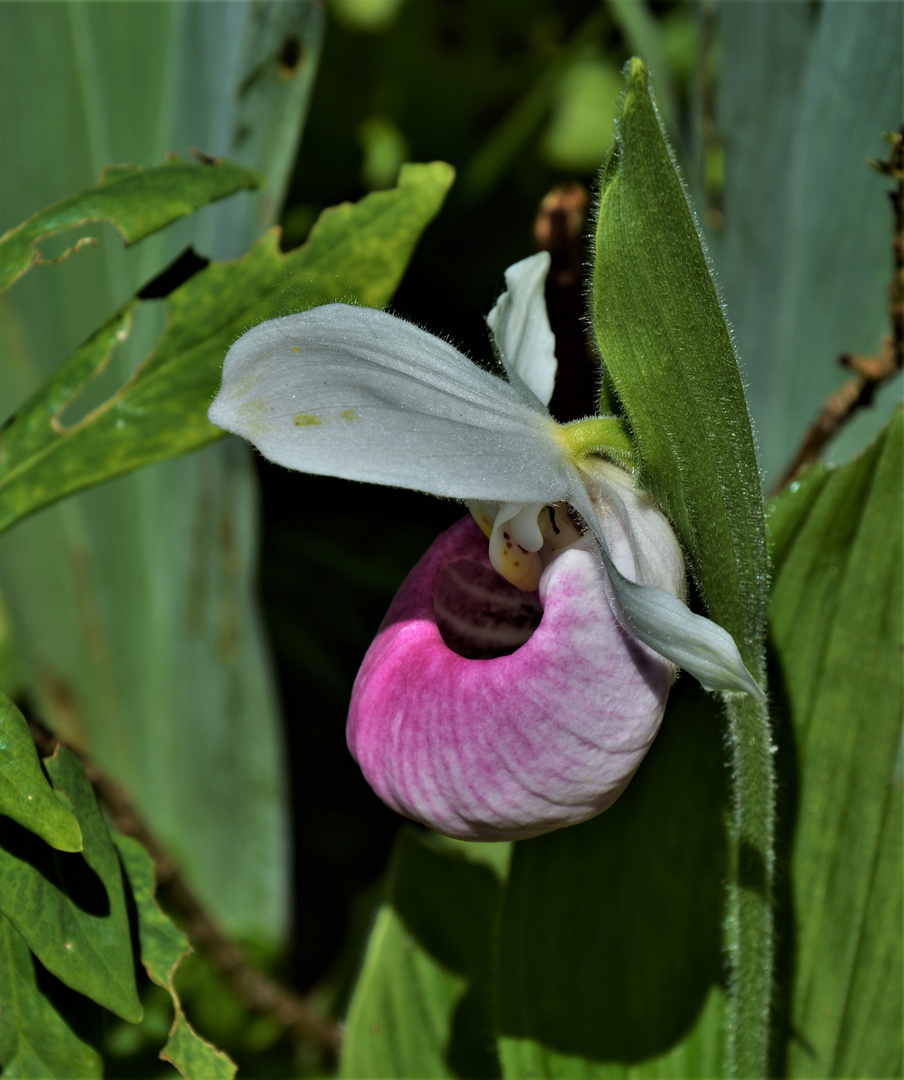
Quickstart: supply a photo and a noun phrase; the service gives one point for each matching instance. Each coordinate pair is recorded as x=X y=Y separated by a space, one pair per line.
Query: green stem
x=605 y=435
x=750 y=912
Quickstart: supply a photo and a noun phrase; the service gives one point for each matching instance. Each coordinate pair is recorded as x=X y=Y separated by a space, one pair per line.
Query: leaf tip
x=637 y=74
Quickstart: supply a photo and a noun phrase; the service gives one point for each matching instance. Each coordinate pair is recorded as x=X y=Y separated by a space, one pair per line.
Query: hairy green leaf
x=137 y=200
x=422 y=1003
x=35 y=1040
x=163 y=947
x=836 y=631
x=355 y=253
x=70 y=907
x=25 y=794
x=663 y=338
x=664 y=341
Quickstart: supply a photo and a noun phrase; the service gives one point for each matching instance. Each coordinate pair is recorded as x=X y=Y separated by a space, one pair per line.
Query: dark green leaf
x=422 y=1003
x=36 y=1043
x=70 y=908
x=163 y=947
x=137 y=200
x=355 y=253
x=25 y=795
x=836 y=632
x=610 y=954
x=663 y=338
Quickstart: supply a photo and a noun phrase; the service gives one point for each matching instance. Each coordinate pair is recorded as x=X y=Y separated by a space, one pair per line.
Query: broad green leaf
x=355 y=253
x=836 y=630
x=665 y=344
x=25 y=794
x=133 y=606
x=163 y=947
x=422 y=1005
x=804 y=252
x=35 y=1040
x=70 y=907
x=137 y=200
x=610 y=942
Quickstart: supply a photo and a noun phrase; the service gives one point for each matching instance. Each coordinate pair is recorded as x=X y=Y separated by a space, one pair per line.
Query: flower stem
x=750 y=914
x=605 y=435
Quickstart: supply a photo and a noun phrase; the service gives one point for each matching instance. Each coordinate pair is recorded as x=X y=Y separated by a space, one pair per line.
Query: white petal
x=640 y=539
x=665 y=623
x=357 y=393
x=520 y=327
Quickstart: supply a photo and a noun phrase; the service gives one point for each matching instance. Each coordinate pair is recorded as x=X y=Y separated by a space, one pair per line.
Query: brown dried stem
x=870 y=372
x=257 y=991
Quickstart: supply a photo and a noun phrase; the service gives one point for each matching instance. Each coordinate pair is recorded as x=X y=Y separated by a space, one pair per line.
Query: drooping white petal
x=357 y=393
x=520 y=327
x=656 y=616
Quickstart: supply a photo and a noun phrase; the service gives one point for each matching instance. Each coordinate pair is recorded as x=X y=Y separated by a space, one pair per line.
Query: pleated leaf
x=836 y=634
x=132 y=605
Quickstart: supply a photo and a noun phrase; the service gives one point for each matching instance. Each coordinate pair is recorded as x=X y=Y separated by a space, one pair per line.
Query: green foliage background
x=197 y=625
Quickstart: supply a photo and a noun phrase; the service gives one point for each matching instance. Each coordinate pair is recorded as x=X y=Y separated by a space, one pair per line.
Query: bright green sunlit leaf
x=356 y=253
x=25 y=795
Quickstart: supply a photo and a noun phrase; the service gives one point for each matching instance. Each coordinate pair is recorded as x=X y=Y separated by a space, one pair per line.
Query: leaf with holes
x=163 y=948
x=355 y=252
x=137 y=200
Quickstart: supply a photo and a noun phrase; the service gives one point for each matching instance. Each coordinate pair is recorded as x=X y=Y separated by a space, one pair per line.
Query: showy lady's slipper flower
x=515 y=685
